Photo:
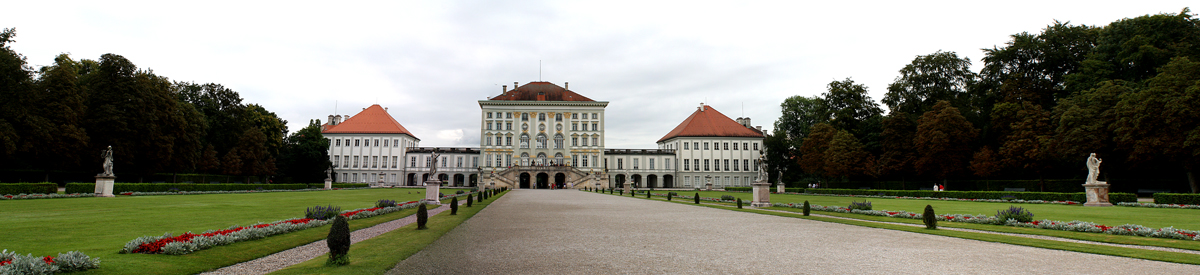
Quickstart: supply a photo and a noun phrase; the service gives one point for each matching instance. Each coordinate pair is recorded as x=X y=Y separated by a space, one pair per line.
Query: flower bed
x=1158 y=205
x=946 y=199
x=226 y=192
x=189 y=242
x=13 y=263
x=1079 y=226
x=45 y=196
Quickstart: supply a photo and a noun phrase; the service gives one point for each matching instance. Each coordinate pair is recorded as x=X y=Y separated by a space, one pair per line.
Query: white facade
x=369 y=158
x=725 y=161
x=542 y=133
x=456 y=166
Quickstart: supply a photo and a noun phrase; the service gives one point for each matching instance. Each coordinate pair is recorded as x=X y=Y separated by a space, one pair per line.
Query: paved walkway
x=572 y=232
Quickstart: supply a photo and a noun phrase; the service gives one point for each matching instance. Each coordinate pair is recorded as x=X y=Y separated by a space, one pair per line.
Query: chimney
x=701 y=108
x=759 y=128
x=514 y=85
x=330 y=121
x=567 y=86
x=503 y=89
x=746 y=122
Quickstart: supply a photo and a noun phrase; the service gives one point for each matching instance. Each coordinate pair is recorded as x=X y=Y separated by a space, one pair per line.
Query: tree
x=850 y=106
x=54 y=136
x=1029 y=144
x=800 y=114
x=941 y=76
x=845 y=156
x=985 y=164
x=812 y=150
x=897 y=157
x=1038 y=64
x=15 y=82
x=305 y=156
x=943 y=142
x=1161 y=120
x=1133 y=49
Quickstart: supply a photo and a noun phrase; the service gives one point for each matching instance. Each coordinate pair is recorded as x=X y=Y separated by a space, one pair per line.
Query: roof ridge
x=706 y=121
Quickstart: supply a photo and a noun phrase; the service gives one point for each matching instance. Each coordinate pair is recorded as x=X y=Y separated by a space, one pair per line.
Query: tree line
x=58 y=118
x=1041 y=103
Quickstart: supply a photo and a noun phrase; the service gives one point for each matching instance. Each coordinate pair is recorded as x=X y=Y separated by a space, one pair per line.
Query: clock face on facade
x=559 y=127
x=525 y=126
x=542 y=127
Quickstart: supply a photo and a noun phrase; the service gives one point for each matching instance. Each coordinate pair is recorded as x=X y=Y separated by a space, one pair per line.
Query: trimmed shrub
x=385 y=203
x=928 y=217
x=469 y=200
x=339 y=242
x=322 y=213
x=34 y=188
x=727 y=197
x=1013 y=213
x=454 y=206
x=697 y=198
x=807 y=208
x=1170 y=198
x=739 y=202
x=622 y=192
x=422 y=216
x=865 y=205
x=647 y=194
x=459 y=192
x=479 y=197
x=991 y=195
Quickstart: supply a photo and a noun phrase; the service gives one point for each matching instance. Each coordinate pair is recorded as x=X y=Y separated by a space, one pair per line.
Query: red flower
x=3 y=263
x=48 y=259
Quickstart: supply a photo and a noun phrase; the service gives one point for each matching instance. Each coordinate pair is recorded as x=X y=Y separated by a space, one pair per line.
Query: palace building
x=541 y=135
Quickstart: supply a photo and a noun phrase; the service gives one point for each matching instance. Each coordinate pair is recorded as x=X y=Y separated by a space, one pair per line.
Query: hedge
x=748 y=189
x=993 y=195
x=28 y=188
x=1173 y=198
x=119 y=187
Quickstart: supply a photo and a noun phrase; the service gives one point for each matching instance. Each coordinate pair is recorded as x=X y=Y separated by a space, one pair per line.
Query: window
x=385 y=143
x=594 y=160
x=508 y=126
x=575 y=116
x=706 y=146
x=687 y=180
x=347 y=142
x=687 y=166
x=355 y=161
x=507 y=159
x=726 y=165
x=651 y=164
x=558 y=141
x=735 y=146
x=726 y=146
x=745 y=165
x=558 y=117
x=499 y=161
x=574 y=160
x=336 y=161
x=595 y=142
x=375 y=162
x=337 y=142
x=489 y=115
x=542 y=117
x=344 y=176
x=706 y=165
x=499 y=141
x=524 y=141
x=395 y=161
x=685 y=146
x=635 y=163
x=444 y=161
x=584 y=161
x=507 y=141
x=756 y=146
x=594 y=116
x=541 y=141
x=475 y=161
x=489 y=125
x=574 y=141
x=620 y=163
x=428 y=160
x=574 y=126
x=745 y=146
x=488 y=141
x=585 y=141
x=396 y=142
x=735 y=163
x=756 y=165
x=460 y=159
x=595 y=127
x=524 y=117
x=376 y=143
x=356 y=143
x=667 y=164
x=355 y=177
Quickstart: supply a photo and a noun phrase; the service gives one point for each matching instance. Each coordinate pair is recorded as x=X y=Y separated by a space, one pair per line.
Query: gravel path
x=572 y=232
x=303 y=253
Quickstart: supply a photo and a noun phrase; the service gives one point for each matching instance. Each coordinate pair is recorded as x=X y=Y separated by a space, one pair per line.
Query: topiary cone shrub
x=469 y=200
x=454 y=206
x=647 y=194
x=807 y=208
x=338 y=242
x=929 y=217
x=422 y=217
x=697 y=198
x=480 y=197
x=739 y=203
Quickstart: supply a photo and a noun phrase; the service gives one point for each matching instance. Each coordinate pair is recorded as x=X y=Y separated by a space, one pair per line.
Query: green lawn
x=1111 y=216
x=380 y=254
x=99 y=227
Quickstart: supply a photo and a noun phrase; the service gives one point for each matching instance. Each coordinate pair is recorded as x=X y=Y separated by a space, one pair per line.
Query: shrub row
x=1173 y=198
x=171 y=187
x=28 y=188
x=991 y=195
x=749 y=189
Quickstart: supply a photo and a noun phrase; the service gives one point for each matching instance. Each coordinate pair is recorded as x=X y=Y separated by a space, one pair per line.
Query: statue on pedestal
x=108 y=163
x=1093 y=165
x=762 y=166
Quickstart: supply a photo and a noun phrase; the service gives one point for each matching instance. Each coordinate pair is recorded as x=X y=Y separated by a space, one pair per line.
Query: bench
x=1015 y=189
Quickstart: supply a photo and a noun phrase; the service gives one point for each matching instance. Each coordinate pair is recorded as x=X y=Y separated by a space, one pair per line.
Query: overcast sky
x=430 y=62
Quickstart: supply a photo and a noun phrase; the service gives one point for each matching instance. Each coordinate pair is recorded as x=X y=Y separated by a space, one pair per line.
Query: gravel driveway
x=573 y=232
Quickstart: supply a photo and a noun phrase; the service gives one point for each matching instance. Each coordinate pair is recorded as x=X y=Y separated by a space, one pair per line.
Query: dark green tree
x=305 y=156
x=851 y=108
x=454 y=206
x=799 y=115
x=846 y=157
x=943 y=142
x=929 y=217
x=941 y=76
x=812 y=150
x=1133 y=49
x=897 y=155
x=1161 y=121
x=422 y=216
x=338 y=242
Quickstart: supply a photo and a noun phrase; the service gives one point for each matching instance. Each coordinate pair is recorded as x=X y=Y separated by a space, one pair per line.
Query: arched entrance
x=412 y=179
x=424 y=178
x=620 y=181
x=560 y=180
x=459 y=180
x=668 y=181
x=543 y=181
x=651 y=181
x=636 y=180
x=524 y=180
x=474 y=180
x=444 y=178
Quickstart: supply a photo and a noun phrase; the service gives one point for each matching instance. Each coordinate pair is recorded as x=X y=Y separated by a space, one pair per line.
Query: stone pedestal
x=104 y=185
x=432 y=188
x=627 y=186
x=708 y=187
x=328 y=184
x=762 y=194
x=779 y=188
x=1097 y=194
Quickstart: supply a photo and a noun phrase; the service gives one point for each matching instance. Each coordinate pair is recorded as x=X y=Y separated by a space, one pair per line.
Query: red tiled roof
x=373 y=120
x=710 y=123
x=541 y=91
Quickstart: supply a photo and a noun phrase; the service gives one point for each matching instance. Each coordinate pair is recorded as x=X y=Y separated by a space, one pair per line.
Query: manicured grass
x=99 y=227
x=1048 y=244
x=1111 y=216
x=380 y=254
